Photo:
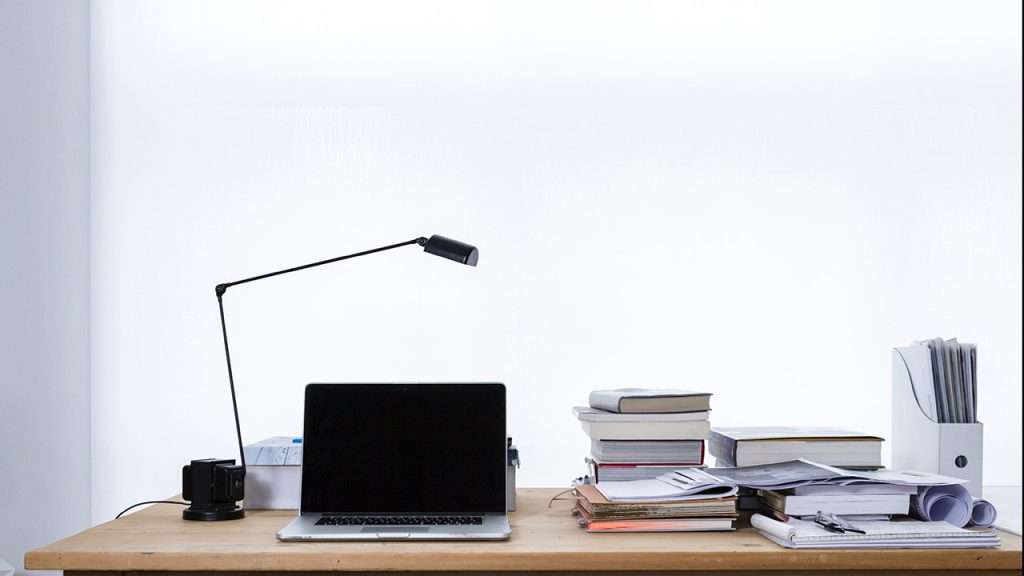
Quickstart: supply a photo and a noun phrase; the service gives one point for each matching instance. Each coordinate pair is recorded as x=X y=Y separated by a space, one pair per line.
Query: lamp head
x=450 y=249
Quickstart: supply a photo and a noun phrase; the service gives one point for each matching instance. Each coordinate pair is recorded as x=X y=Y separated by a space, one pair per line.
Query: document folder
x=921 y=443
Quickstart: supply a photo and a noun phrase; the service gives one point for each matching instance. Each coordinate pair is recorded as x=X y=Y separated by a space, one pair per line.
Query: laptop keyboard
x=399 y=520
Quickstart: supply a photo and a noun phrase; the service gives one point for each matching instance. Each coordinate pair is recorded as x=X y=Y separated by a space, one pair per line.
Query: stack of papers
x=684 y=484
x=931 y=496
x=803 y=473
x=909 y=534
x=938 y=500
x=690 y=483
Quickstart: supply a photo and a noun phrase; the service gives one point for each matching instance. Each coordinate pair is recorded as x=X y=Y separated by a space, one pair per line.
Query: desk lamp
x=214 y=487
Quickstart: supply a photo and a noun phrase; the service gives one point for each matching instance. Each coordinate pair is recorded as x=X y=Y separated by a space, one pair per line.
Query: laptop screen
x=404 y=448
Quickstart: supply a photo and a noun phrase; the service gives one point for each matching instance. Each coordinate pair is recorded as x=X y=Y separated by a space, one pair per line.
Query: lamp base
x=214 y=488
x=208 y=515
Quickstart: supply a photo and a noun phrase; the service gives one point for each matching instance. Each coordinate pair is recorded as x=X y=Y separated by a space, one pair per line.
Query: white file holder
x=918 y=441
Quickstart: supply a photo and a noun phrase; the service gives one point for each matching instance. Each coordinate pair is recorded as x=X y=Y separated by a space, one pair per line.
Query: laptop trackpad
x=397 y=530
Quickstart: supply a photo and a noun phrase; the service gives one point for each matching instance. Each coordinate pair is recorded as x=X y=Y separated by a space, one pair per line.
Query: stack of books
x=638 y=434
x=657 y=514
x=804 y=490
x=759 y=445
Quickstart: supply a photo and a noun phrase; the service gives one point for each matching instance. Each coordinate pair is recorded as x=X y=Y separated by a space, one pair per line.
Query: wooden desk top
x=543 y=539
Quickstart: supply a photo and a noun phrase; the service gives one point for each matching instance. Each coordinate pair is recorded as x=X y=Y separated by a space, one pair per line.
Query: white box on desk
x=920 y=443
x=273 y=474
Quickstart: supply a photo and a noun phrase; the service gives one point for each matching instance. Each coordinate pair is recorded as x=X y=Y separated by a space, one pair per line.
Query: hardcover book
x=649 y=400
x=753 y=446
x=696 y=430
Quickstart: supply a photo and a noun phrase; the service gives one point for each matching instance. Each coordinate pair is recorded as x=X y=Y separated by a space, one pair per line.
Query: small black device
x=213 y=487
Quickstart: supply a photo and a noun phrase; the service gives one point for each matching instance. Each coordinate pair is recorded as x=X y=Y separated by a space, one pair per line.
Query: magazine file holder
x=919 y=442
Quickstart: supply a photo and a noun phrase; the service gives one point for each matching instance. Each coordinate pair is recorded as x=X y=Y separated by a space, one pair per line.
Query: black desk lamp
x=214 y=487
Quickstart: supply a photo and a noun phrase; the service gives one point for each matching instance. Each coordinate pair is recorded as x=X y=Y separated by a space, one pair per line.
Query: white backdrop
x=755 y=199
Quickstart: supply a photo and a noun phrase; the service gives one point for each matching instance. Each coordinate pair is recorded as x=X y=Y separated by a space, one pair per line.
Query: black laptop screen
x=404 y=448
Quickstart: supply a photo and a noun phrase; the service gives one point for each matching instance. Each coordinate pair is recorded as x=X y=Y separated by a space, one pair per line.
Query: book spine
x=723 y=448
x=774 y=500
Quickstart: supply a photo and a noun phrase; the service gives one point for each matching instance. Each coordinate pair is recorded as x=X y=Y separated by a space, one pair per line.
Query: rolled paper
x=983 y=513
x=950 y=503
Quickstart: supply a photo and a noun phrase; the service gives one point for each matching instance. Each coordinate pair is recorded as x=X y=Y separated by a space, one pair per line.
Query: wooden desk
x=544 y=539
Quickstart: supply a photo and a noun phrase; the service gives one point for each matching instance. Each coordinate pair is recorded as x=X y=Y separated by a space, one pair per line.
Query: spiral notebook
x=877 y=534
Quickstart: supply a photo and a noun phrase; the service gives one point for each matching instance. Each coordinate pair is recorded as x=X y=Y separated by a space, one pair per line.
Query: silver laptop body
x=402 y=462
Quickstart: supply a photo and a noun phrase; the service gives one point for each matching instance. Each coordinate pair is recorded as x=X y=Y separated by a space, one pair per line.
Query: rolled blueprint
x=983 y=513
x=951 y=503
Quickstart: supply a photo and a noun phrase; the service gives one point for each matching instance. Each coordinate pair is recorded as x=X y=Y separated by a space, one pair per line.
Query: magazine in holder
x=919 y=441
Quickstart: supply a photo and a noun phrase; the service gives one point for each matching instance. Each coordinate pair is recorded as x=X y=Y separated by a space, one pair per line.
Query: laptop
x=403 y=462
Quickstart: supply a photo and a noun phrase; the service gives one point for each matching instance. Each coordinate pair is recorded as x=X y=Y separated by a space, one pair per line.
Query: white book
x=587 y=414
x=756 y=445
x=695 y=430
x=650 y=400
x=853 y=489
x=648 y=451
x=837 y=504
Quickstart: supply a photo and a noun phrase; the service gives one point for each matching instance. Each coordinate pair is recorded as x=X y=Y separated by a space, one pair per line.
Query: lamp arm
x=231 y=380
x=222 y=288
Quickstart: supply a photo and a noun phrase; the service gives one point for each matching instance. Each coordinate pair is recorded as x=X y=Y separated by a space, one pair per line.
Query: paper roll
x=983 y=513
x=950 y=503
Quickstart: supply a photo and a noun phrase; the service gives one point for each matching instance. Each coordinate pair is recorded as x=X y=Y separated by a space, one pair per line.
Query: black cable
x=149 y=502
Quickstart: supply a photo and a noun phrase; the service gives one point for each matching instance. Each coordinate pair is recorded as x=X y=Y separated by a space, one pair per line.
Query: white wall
x=44 y=273
x=757 y=199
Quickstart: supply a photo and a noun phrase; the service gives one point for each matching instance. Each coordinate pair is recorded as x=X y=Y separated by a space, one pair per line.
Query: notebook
x=402 y=462
x=878 y=534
